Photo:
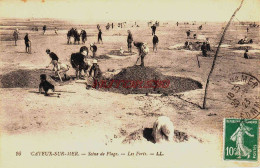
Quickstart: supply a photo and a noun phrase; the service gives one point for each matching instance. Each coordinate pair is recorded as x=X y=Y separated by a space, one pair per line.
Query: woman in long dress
x=15 y=34
x=238 y=137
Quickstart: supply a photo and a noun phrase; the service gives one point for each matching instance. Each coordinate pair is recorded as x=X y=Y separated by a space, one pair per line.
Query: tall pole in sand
x=216 y=54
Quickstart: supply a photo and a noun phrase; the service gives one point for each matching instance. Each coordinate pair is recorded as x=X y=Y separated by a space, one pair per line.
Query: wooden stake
x=198 y=61
x=216 y=54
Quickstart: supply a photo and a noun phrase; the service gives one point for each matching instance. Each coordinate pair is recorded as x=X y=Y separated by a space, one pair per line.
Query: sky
x=124 y=10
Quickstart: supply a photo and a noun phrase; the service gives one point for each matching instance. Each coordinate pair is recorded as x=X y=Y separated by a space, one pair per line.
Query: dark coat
x=77 y=61
x=46 y=85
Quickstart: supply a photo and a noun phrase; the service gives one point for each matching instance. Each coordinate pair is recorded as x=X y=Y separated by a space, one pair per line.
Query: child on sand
x=54 y=58
x=27 y=43
x=96 y=75
x=188 y=33
x=56 y=30
x=195 y=36
x=44 y=29
x=93 y=48
x=208 y=44
x=45 y=85
x=246 y=56
x=153 y=27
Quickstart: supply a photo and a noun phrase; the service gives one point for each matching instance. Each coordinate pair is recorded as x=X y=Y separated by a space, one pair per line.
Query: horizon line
x=120 y=20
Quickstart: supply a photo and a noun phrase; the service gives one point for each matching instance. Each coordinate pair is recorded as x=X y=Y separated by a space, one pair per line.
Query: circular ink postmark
x=243 y=94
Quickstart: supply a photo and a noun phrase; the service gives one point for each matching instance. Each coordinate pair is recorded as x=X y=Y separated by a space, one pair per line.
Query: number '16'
x=230 y=151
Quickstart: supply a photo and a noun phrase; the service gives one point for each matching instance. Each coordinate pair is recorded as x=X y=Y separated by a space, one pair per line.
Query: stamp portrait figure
x=238 y=137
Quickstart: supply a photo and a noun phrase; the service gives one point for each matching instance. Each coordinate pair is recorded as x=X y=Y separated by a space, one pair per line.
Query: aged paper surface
x=123 y=83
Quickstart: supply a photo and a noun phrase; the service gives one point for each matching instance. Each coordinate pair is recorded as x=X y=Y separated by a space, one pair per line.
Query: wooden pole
x=198 y=61
x=216 y=54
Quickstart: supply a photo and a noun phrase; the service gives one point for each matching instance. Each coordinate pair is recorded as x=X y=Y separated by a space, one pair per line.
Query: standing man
x=155 y=42
x=93 y=48
x=153 y=27
x=70 y=34
x=143 y=51
x=107 y=26
x=15 y=34
x=208 y=44
x=195 y=36
x=188 y=34
x=77 y=61
x=204 y=49
x=76 y=36
x=83 y=35
x=44 y=29
x=129 y=41
x=27 y=43
x=177 y=24
x=100 y=36
x=56 y=30
x=112 y=25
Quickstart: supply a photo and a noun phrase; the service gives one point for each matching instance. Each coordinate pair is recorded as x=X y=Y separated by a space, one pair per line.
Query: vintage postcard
x=129 y=83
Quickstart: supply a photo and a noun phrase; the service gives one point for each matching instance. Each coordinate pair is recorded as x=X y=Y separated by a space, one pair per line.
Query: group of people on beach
x=44 y=28
x=142 y=47
x=76 y=34
x=78 y=62
x=26 y=40
x=82 y=62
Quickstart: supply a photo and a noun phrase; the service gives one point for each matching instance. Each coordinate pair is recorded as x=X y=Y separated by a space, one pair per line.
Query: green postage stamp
x=241 y=139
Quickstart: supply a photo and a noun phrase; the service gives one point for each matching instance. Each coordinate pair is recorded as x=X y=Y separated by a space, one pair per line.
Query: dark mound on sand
x=7 y=38
x=118 y=53
x=26 y=78
x=144 y=80
x=137 y=73
x=103 y=57
x=242 y=48
x=137 y=135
